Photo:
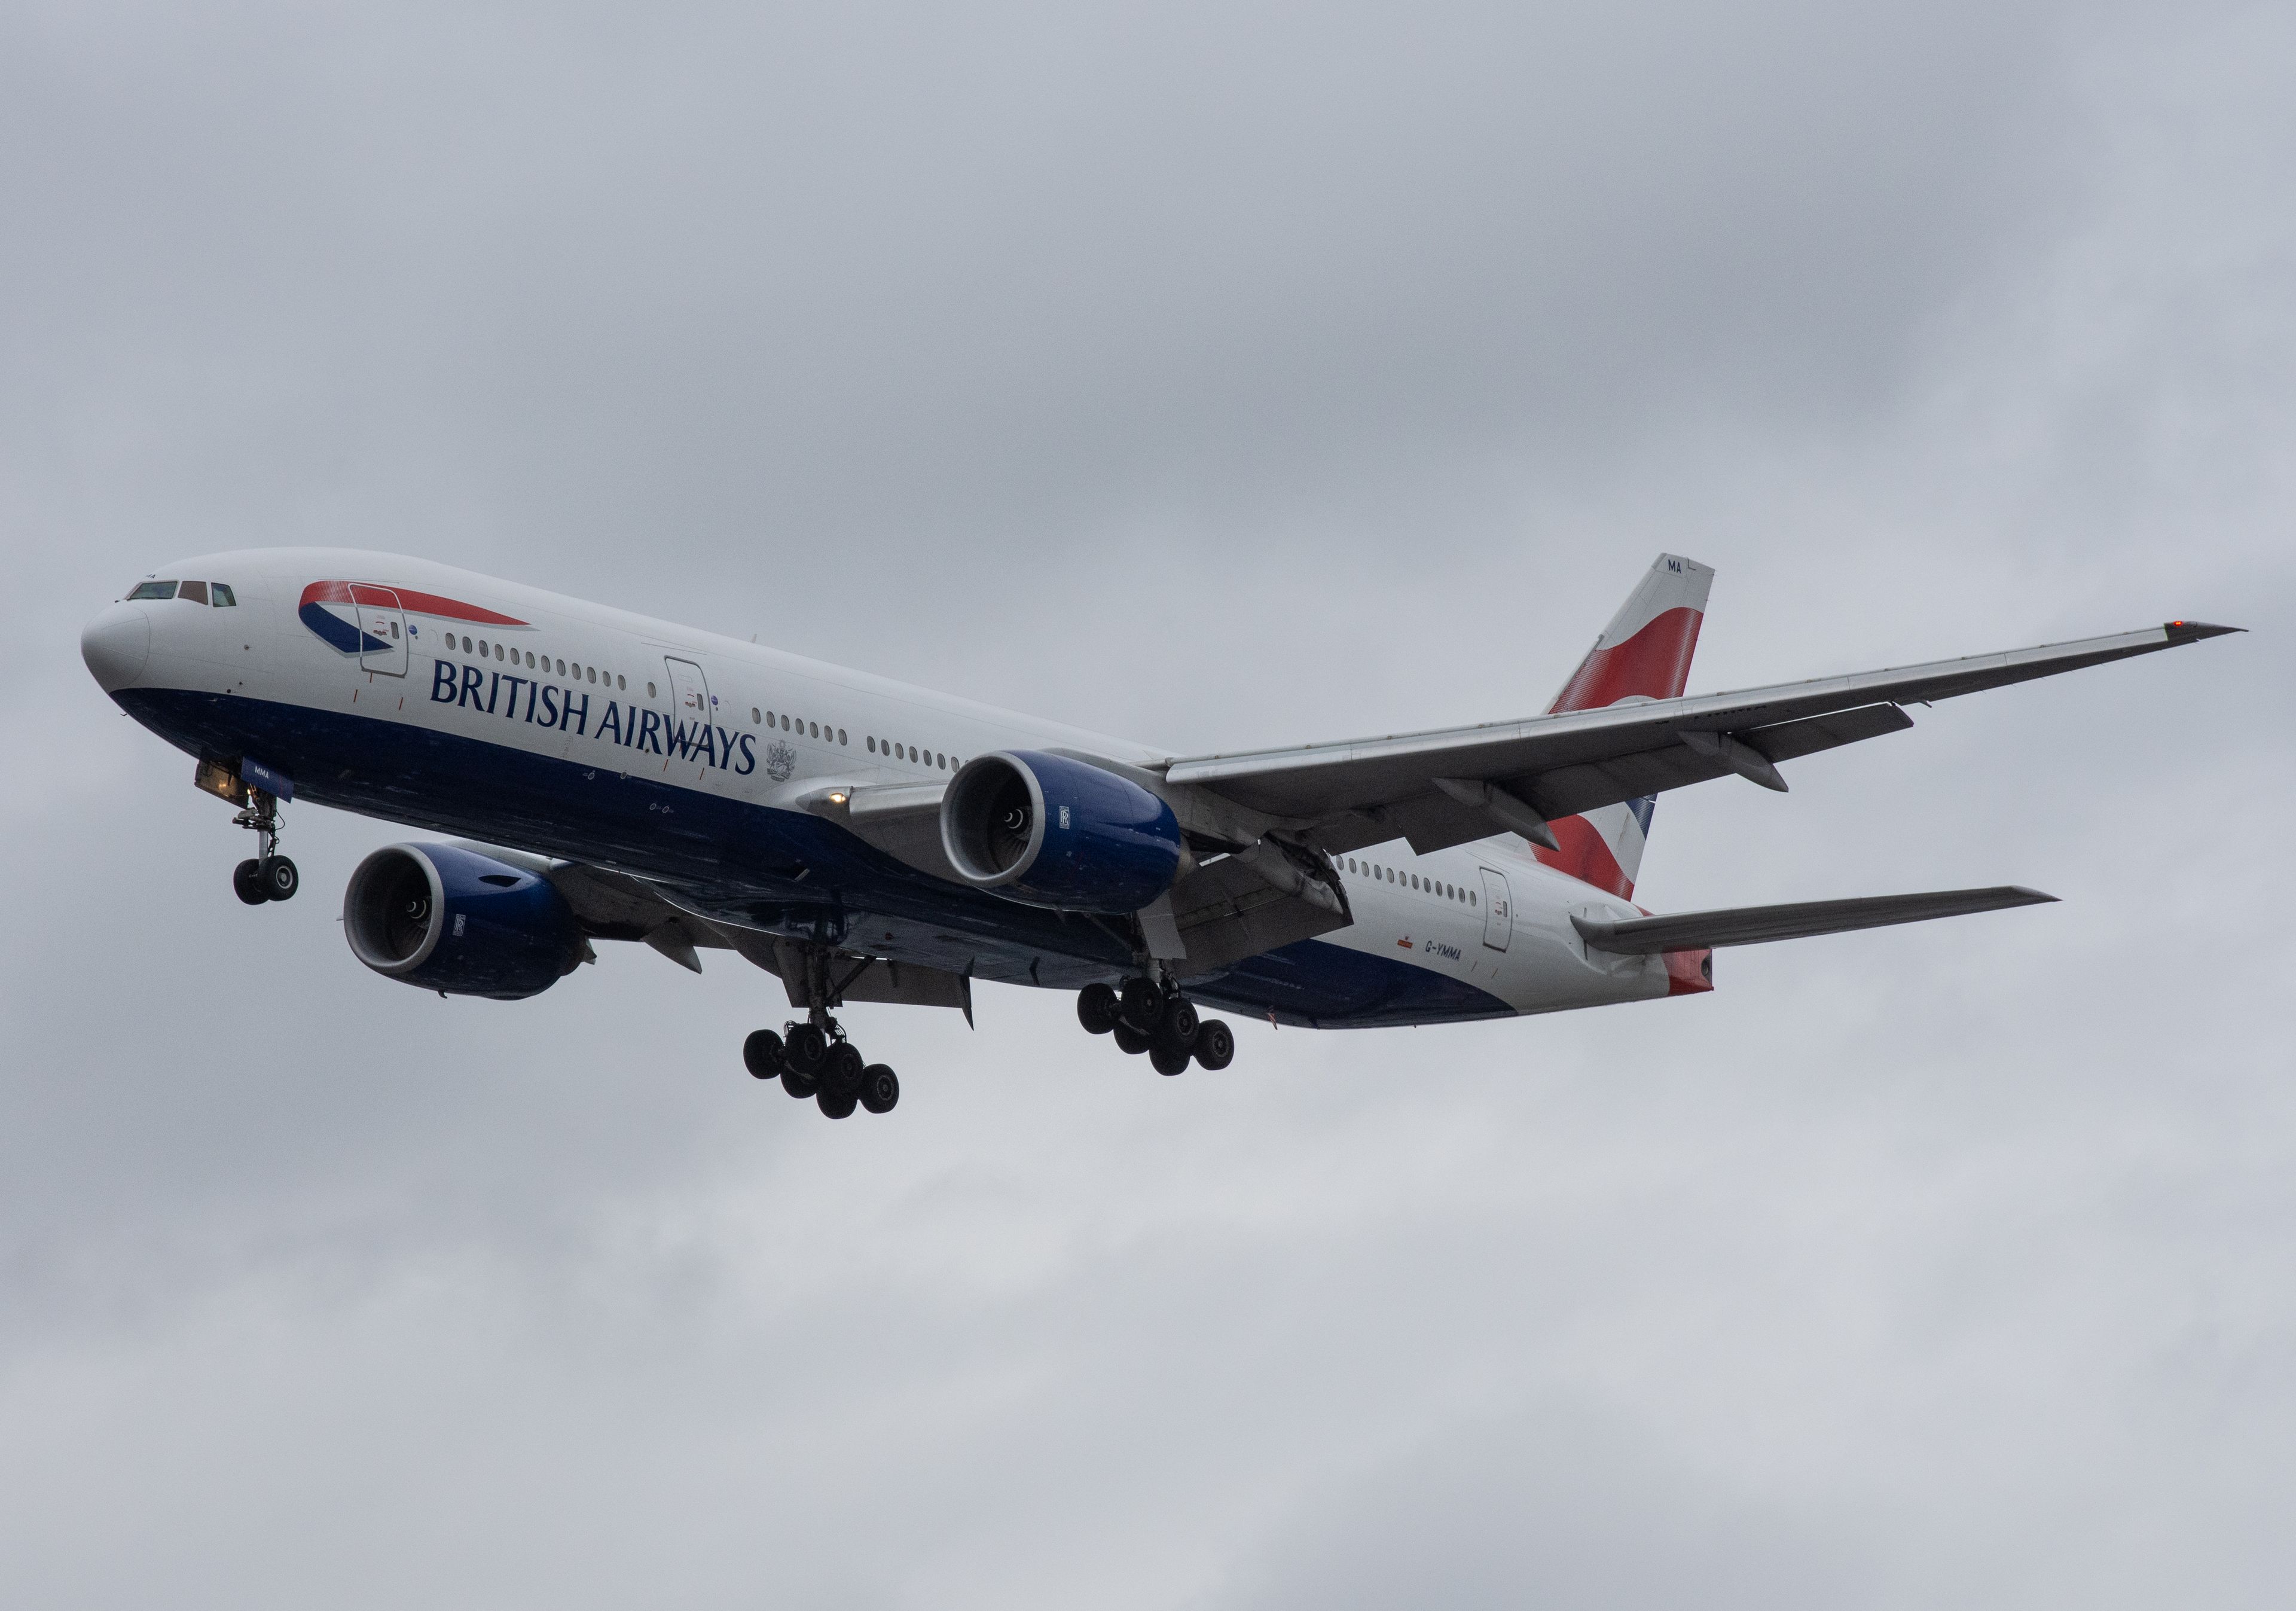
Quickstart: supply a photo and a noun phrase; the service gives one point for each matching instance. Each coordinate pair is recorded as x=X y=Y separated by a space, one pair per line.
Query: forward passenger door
x=381 y=629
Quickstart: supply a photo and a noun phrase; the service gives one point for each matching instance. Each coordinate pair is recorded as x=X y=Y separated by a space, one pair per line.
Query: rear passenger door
x=1498 y=911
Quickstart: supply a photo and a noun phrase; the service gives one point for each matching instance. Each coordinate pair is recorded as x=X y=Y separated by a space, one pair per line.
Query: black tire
x=801 y=1086
x=1215 y=1045
x=837 y=1105
x=880 y=1087
x=1097 y=1008
x=1141 y=1003
x=1130 y=1040
x=806 y=1050
x=1168 y=1059
x=1180 y=1023
x=280 y=879
x=247 y=882
x=761 y=1055
x=841 y=1072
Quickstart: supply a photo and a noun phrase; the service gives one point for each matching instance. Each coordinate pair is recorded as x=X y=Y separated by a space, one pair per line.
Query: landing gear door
x=689 y=694
x=1498 y=911
x=381 y=629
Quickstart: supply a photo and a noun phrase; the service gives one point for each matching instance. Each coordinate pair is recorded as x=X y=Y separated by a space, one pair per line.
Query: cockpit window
x=224 y=597
x=153 y=590
x=196 y=592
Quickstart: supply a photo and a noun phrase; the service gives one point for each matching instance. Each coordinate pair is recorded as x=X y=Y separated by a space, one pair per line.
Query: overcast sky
x=1213 y=376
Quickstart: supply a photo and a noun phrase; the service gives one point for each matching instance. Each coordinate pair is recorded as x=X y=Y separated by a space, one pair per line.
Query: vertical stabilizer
x=1644 y=653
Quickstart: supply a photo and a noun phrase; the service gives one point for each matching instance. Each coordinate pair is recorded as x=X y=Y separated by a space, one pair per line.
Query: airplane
x=603 y=776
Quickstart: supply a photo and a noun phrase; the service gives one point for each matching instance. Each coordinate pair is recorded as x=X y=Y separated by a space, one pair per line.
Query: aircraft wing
x=1447 y=787
x=1760 y=924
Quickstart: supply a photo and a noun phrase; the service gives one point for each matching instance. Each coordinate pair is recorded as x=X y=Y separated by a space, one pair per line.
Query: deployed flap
x=1758 y=924
x=874 y=979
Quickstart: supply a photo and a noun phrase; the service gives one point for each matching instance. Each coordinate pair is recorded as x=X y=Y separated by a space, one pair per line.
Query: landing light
x=837 y=797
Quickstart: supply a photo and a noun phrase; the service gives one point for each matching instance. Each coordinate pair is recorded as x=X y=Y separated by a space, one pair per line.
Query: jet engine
x=451 y=920
x=1048 y=830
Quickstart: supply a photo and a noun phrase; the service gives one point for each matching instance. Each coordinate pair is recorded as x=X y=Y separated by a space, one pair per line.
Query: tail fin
x=1644 y=653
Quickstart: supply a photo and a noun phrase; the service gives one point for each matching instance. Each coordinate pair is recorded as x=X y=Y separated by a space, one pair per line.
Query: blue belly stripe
x=784 y=872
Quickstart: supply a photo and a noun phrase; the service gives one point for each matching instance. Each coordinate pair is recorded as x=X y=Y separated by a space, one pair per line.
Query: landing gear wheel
x=1097 y=1009
x=1130 y=1040
x=280 y=878
x=837 y=1105
x=807 y=1049
x=761 y=1055
x=1180 y=1024
x=1141 y=1003
x=1168 y=1059
x=1215 y=1045
x=840 y=1073
x=801 y=1086
x=247 y=882
x=880 y=1087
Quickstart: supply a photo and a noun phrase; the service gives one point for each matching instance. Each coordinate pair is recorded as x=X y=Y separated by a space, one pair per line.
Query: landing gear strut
x=267 y=875
x=812 y=1057
x=1149 y=1015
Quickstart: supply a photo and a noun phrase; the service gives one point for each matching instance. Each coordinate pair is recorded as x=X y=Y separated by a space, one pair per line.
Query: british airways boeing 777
x=609 y=777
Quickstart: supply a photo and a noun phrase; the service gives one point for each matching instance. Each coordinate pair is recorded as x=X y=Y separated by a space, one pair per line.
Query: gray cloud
x=1216 y=376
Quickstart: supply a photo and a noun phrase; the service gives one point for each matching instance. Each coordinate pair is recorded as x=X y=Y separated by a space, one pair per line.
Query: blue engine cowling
x=1051 y=832
x=449 y=919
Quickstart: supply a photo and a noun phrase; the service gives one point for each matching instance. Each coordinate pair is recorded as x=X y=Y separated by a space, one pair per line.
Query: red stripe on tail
x=1654 y=662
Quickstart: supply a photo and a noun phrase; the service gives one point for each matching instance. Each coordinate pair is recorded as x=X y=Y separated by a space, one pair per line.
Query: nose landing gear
x=1150 y=1016
x=267 y=875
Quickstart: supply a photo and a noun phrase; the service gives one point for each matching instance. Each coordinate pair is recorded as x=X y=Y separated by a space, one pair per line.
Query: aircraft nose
x=115 y=644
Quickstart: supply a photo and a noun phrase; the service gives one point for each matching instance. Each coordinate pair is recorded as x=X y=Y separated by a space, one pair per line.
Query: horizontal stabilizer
x=1758 y=924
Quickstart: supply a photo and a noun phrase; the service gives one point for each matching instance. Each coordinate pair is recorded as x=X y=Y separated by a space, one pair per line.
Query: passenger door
x=689 y=695
x=1498 y=911
x=382 y=628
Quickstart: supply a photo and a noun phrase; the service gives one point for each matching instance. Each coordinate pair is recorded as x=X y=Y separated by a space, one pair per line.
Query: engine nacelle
x=449 y=919
x=1048 y=830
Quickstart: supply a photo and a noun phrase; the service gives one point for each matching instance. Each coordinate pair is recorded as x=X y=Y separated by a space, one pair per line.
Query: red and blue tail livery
x=591 y=775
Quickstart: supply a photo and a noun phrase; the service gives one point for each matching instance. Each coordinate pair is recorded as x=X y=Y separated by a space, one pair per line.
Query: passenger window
x=621 y=684
x=1471 y=897
x=840 y=735
x=872 y=743
x=466 y=645
x=223 y=598
x=941 y=761
x=753 y=716
x=153 y=590
x=812 y=729
x=394 y=626
x=195 y=592
x=913 y=752
x=650 y=693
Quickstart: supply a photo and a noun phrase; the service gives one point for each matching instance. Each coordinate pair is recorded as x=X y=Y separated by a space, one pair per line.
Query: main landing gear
x=812 y=1061
x=267 y=875
x=1151 y=1015
x=812 y=1057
